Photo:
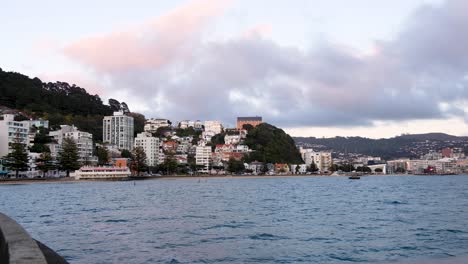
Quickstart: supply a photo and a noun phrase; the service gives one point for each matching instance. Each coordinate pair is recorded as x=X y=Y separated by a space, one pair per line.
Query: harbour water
x=377 y=219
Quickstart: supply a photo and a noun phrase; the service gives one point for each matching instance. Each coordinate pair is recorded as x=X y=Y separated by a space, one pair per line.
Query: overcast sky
x=313 y=67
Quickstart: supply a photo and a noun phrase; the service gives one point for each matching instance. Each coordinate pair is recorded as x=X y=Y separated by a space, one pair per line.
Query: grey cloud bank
x=421 y=74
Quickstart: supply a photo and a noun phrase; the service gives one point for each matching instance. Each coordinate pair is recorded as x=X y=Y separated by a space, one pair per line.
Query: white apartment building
x=152 y=125
x=232 y=139
x=118 y=130
x=207 y=135
x=203 y=157
x=213 y=126
x=10 y=131
x=195 y=124
x=150 y=145
x=83 y=140
x=323 y=160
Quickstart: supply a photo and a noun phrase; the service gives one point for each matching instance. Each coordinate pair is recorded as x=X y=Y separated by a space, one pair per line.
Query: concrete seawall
x=18 y=247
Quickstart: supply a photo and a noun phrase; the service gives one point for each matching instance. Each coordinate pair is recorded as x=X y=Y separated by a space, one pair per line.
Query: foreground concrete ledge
x=20 y=247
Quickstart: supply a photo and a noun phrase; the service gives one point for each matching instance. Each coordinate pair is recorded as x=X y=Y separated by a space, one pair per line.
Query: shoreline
x=190 y=177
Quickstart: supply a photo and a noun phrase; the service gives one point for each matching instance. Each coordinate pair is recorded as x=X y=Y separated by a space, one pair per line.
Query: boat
x=102 y=173
x=354 y=176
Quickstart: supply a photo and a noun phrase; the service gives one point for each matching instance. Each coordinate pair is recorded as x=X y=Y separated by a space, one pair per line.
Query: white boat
x=101 y=173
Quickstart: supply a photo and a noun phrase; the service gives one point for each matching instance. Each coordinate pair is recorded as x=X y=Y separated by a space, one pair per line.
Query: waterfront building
x=322 y=160
x=83 y=141
x=298 y=168
x=397 y=166
x=213 y=126
x=118 y=130
x=281 y=168
x=150 y=146
x=101 y=173
x=203 y=158
x=12 y=131
x=254 y=121
x=152 y=125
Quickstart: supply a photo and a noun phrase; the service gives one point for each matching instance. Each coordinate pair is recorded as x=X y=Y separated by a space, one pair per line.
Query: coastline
x=188 y=177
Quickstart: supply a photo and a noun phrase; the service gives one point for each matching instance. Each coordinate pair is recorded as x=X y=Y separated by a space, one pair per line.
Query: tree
x=125 y=153
x=124 y=108
x=400 y=170
x=333 y=167
x=114 y=105
x=363 y=169
x=17 y=159
x=247 y=127
x=169 y=166
x=45 y=163
x=138 y=161
x=313 y=167
x=102 y=155
x=68 y=156
x=235 y=166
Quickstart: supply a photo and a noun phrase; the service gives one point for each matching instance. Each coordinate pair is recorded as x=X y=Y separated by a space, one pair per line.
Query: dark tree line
x=60 y=103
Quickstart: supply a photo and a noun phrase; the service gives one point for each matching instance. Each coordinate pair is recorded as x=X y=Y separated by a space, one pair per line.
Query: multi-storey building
x=152 y=125
x=322 y=160
x=118 y=130
x=254 y=121
x=195 y=124
x=203 y=158
x=83 y=141
x=12 y=131
x=150 y=145
x=213 y=126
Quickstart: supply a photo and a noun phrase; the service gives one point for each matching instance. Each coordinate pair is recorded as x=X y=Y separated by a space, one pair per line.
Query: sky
x=318 y=68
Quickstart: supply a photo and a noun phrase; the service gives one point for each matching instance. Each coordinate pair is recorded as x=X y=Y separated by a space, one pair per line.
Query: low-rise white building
x=195 y=124
x=152 y=125
x=150 y=145
x=232 y=139
x=213 y=126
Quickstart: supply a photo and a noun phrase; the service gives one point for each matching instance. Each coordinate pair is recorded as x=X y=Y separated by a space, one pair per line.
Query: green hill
x=59 y=102
x=272 y=144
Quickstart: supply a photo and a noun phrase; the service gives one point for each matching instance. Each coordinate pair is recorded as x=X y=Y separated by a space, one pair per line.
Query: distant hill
x=59 y=102
x=433 y=136
x=411 y=146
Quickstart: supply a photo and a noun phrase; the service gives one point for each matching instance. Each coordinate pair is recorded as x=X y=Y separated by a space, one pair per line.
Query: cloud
x=166 y=67
x=150 y=45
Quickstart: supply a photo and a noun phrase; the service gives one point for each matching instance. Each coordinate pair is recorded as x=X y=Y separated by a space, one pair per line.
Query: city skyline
x=302 y=66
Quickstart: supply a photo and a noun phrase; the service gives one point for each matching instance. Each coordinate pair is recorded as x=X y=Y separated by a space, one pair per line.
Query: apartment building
x=150 y=145
x=118 y=130
x=203 y=157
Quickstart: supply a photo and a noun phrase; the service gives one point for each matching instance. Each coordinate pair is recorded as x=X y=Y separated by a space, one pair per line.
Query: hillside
x=410 y=146
x=59 y=102
x=272 y=144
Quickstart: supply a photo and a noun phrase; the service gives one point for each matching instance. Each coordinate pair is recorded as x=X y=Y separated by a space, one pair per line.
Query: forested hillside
x=59 y=102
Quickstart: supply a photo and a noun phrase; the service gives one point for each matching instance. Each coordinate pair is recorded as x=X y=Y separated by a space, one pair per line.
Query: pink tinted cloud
x=152 y=44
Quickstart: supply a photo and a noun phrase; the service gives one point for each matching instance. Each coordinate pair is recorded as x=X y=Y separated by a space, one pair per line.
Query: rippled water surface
x=266 y=220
